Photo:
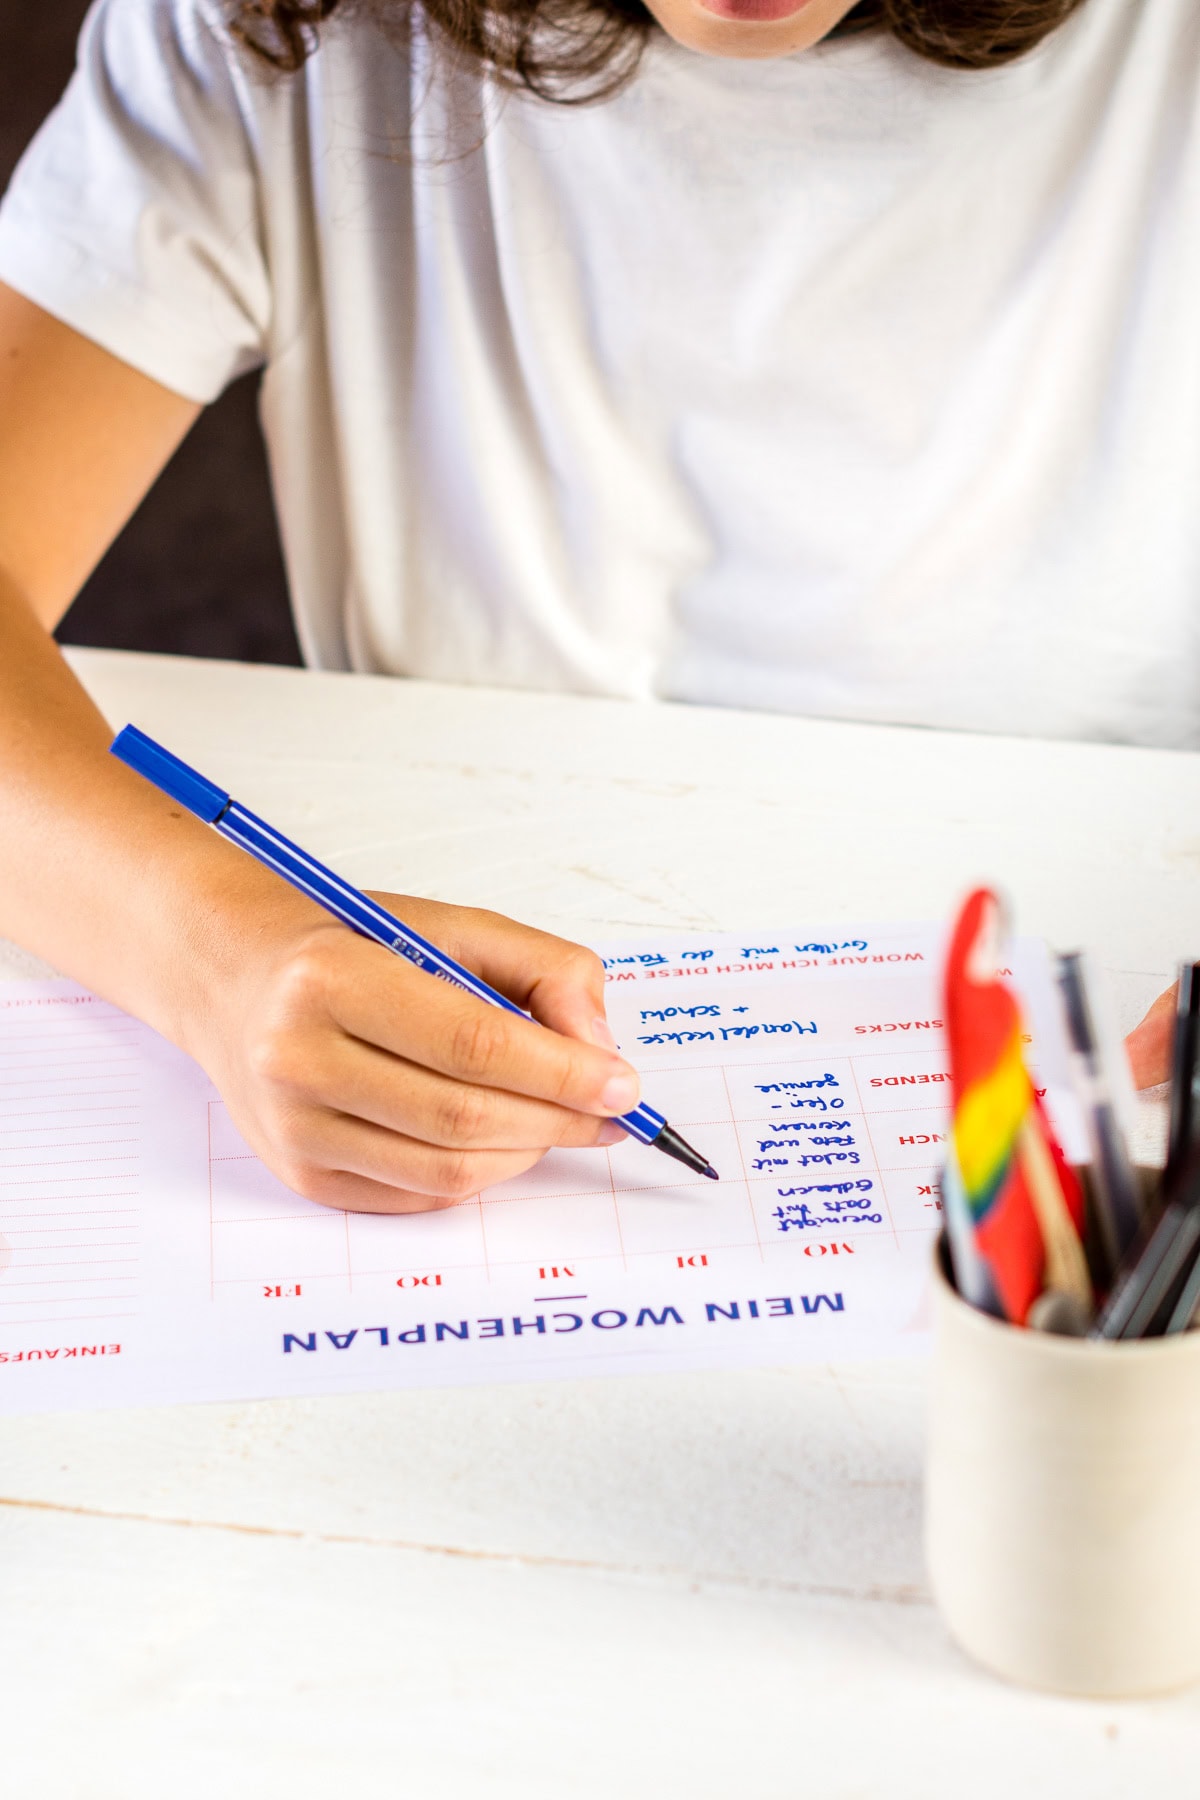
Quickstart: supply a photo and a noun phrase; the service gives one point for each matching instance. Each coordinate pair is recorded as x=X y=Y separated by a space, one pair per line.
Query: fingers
x=355 y=1078
x=560 y=983
x=340 y=1161
x=354 y=1193
x=1149 y=1044
x=369 y=1085
x=384 y=1001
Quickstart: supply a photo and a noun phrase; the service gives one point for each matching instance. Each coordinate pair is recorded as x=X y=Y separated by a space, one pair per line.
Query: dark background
x=197 y=570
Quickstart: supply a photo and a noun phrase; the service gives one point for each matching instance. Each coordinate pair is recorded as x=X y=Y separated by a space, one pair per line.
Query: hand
x=361 y=1081
x=365 y=1083
x=1149 y=1043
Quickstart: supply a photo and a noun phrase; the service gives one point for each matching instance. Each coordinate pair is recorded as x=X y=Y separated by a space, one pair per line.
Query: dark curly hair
x=575 y=51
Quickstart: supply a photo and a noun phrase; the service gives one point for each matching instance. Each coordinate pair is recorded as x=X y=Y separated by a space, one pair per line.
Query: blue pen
x=355 y=909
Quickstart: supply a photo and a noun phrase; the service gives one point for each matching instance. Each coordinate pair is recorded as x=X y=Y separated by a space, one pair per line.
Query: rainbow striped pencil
x=1023 y=1204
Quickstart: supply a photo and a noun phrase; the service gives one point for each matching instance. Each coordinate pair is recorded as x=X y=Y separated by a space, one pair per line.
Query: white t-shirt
x=841 y=384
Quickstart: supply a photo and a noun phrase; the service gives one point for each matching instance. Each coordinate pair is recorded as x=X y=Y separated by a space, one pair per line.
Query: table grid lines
x=257 y=1246
x=742 y=1160
x=69 y=1109
x=862 y=1113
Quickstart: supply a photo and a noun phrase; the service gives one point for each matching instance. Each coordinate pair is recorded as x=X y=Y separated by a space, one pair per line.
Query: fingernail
x=611 y=1133
x=602 y=1034
x=621 y=1093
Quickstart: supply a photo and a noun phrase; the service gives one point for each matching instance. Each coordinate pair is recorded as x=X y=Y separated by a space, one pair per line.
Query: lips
x=754 y=12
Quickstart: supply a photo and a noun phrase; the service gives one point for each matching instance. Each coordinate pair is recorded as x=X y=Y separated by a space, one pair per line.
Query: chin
x=749 y=30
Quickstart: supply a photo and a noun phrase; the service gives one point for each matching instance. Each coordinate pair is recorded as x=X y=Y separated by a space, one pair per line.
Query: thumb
x=1149 y=1043
x=569 y=998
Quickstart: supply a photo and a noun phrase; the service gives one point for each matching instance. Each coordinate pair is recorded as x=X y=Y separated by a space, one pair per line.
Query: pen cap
x=167 y=772
x=1061 y=1502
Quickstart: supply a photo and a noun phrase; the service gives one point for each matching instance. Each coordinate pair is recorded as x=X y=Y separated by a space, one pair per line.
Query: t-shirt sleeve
x=134 y=215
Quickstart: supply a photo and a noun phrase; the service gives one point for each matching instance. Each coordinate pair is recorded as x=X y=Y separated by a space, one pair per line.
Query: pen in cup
x=1112 y=1182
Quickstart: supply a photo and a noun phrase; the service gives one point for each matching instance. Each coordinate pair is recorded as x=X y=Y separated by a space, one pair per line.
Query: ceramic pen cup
x=1062 y=1502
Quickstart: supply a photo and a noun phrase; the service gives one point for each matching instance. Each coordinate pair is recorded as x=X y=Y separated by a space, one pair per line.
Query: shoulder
x=147 y=58
x=198 y=32
x=185 y=70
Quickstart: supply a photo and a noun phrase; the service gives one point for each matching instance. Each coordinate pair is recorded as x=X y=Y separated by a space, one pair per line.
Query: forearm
x=99 y=874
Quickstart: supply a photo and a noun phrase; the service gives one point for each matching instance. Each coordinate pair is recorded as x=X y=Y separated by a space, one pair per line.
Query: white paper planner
x=147 y=1255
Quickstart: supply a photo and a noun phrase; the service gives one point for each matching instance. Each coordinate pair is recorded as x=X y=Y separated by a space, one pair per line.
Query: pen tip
x=670 y=1141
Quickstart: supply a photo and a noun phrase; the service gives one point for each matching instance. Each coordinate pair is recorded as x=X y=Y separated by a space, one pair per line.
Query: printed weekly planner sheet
x=147 y=1255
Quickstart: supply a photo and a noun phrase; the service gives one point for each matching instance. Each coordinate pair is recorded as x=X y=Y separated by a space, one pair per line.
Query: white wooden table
x=704 y=1585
